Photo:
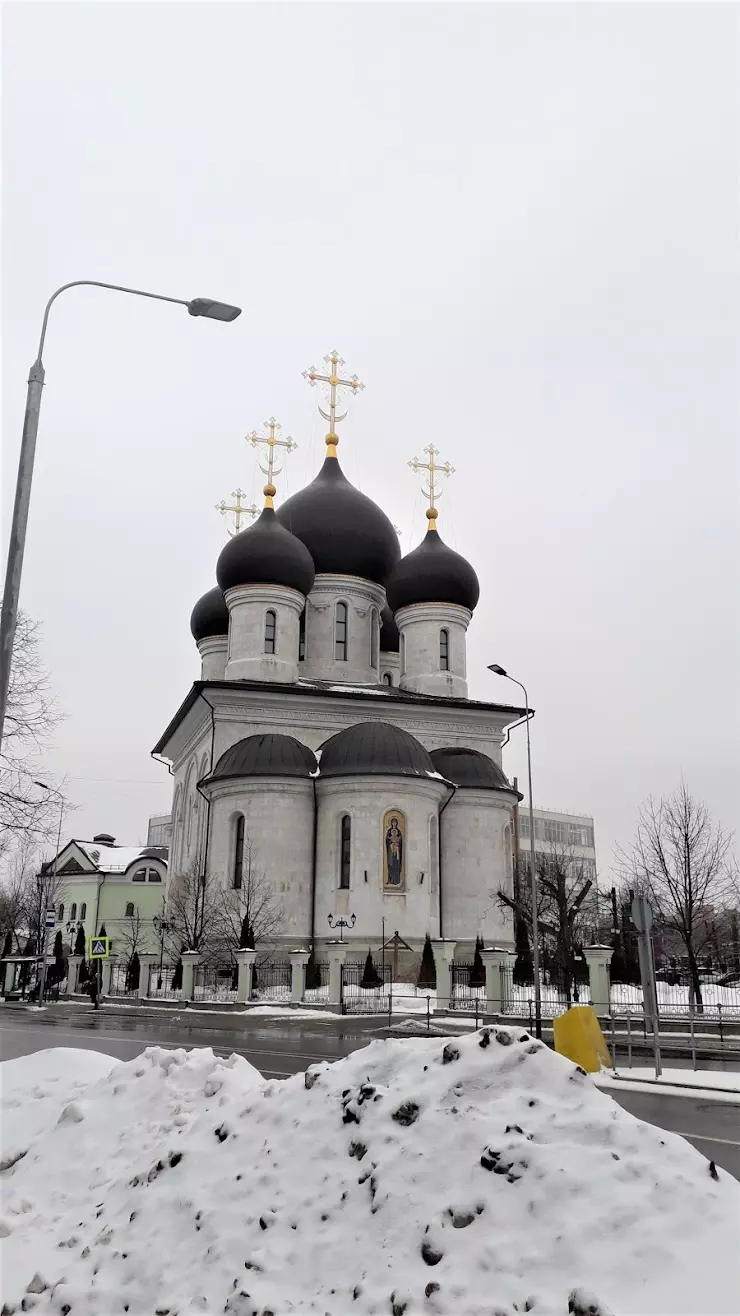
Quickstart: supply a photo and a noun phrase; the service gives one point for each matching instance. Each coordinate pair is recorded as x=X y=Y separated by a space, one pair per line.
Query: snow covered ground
x=417 y=1177
x=34 y=1090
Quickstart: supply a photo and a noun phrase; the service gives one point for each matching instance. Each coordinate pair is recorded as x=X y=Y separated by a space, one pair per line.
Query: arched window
x=73 y=914
x=340 y=632
x=387 y=678
x=60 y=914
x=269 y=631
x=236 y=880
x=302 y=637
x=444 y=650
x=83 y=912
x=130 y=909
x=374 y=628
x=346 y=852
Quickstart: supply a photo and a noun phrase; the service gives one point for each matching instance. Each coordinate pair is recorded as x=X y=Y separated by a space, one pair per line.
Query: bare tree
x=41 y=888
x=250 y=910
x=193 y=909
x=562 y=888
x=130 y=935
x=27 y=810
x=681 y=860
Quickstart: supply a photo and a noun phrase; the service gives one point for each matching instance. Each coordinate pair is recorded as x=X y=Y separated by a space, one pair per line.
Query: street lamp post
x=163 y=926
x=201 y=306
x=44 y=931
x=499 y=671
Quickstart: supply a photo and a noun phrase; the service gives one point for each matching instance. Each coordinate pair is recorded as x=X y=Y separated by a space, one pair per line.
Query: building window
x=346 y=852
x=270 y=631
x=340 y=632
x=524 y=826
x=374 y=627
x=139 y=875
x=554 y=832
x=302 y=637
x=73 y=913
x=387 y=678
x=238 y=853
x=60 y=914
x=444 y=650
x=83 y=912
x=153 y=875
x=130 y=910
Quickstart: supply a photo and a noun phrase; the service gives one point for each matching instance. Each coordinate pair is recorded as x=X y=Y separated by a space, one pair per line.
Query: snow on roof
x=116 y=858
x=485 y=1165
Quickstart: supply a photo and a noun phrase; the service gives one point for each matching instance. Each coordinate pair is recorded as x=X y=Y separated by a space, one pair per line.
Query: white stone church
x=331 y=728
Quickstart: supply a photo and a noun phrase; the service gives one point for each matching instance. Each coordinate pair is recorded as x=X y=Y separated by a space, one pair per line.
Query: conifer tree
x=523 y=971
x=370 y=977
x=427 y=968
x=478 y=972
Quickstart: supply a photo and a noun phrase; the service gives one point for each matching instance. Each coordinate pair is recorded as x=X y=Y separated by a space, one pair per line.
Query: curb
x=660 y=1083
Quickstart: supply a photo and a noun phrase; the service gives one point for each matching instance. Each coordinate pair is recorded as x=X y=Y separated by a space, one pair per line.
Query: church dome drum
x=345 y=532
x=266 y=554
x=270 y=755
x=432 y=573
x=210 y=616
x=470 y=768
x=374 y=748
x=389 y=637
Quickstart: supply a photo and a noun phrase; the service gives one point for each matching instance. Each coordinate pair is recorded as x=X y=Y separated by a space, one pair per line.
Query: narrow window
x=340 y=632
x=83 y=912
x=403 y=655
x=346 y=852
x=444 y=650
x=73 y=913
x=130 y=910
x=60 y=915
x=270 y=631
x=374 y=638
x=302 y=637
x=238 y=852
x=387 y=678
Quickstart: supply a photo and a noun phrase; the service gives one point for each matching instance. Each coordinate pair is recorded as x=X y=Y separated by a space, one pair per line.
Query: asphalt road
x=279 y=1048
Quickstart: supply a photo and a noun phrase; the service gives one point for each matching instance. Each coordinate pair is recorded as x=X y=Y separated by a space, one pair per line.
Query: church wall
x=475 y=833
x=279 y=825
x=248 y=608
x=391 y=663
x=420 y=626
x=367 y=800
x=213 y=650
x=364 y=602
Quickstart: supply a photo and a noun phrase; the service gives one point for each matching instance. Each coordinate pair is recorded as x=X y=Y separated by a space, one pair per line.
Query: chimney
x=104 y=838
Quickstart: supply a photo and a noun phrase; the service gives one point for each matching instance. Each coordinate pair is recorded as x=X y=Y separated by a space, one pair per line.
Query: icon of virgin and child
x=394 y=857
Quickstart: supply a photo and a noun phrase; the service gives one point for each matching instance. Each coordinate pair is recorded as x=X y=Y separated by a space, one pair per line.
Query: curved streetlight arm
x=95 y=283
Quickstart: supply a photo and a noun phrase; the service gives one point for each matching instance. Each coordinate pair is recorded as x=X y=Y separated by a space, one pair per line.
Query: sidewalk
x=720 y=1084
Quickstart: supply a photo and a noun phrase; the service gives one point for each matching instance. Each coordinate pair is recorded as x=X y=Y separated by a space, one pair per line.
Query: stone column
x=444 y=954
x=598 y=959
x=298 y=962
x=145 y=964
x=73 y=973
x=107 y=974
x=495 y=961
x=245 y=963
x=190 y=960
x=337 y=953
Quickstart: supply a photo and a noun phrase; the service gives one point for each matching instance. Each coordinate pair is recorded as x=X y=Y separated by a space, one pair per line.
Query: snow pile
x=478 y=1175
x=34 y=1090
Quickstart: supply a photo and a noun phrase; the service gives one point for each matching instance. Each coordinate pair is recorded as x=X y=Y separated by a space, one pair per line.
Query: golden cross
x=334 y=363
x=430 y=491
x=237 y=507
x=271 y=442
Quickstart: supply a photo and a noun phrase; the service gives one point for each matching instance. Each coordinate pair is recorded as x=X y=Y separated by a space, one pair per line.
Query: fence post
x=146 y=963
x=444 y=954
x=337 y=953
x=495 y=961
x=107 y=974
x=429 y=1017
x=693 y=1040
x=598 y=959
x=390 y=1003
x=629 y=1040
x=245 y=963
x=190 y=961
x=614 y=1045
x=719 y=1013
x=298 y=961
x=73 y=971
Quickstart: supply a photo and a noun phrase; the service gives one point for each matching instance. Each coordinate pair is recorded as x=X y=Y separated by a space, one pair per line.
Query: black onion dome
x=265 y=554
x=389 y=638
x=266 y=756
x=345 y=532
x=374 y=747
x=433 y=573
x=468 y=767
x=210 y=616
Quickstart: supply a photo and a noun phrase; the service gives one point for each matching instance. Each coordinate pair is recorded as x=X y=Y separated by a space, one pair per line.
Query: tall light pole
x=499 y=671
x=198 y=306
x=44 y=931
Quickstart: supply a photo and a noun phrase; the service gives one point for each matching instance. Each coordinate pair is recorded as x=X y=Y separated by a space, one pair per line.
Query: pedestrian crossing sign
x=99 y=948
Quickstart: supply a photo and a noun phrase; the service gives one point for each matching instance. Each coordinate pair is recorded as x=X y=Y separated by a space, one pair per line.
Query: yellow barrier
x=578 y=1036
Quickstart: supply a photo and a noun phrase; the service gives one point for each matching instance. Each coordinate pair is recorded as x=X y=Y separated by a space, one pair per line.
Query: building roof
x=266 y=554
x=113 y=858
x=210 y=616
x=469 y=768
x=433 y=573
x=269 y=755
x=375 y=748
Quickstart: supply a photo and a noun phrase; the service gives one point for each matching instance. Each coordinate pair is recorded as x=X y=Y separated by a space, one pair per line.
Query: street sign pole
x=642 y=917
x=49 y=921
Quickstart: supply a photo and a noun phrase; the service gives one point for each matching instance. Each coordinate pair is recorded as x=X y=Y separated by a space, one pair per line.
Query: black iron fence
x=123 y=982
x=214 y=984
x=678 y=1000
x=162 y=983
x=317 y=982
x=271 y=981
x=517 y=995
x=367 y=991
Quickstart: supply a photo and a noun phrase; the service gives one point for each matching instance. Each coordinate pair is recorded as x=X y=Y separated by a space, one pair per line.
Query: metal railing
x=160 y=983
x=122 y=981
x=367 y=994
x=517 y=998
x=318 y=976
x=214 y=984
x=678 y=1000
x=271 y=981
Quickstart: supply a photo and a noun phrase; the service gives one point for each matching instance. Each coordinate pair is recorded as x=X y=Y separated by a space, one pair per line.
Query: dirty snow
x=34 y=1089
x=479 y=1175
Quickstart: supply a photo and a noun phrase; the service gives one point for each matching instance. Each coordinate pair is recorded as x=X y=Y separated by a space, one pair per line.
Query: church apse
x=394 y=852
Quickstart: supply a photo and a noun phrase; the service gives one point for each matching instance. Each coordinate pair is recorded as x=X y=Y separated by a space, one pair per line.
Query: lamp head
x=498 y=671
x=213 y=310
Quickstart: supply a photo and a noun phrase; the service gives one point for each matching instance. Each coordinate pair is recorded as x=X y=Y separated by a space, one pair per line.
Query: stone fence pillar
x=245 y=964
x=145 y=967
x=107 y=974
x=444 y=954
x=73 y=973
x=298 y=962
x=190 y=960
x=598 y=959
x=495 y=962
x=337 y=953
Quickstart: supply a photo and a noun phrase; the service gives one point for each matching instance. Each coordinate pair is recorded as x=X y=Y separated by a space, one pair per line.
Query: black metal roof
x=470 y=768
x=374 y=748
x=210 y=616
x=390 y=641
x=265 y=554
x=269 y=755
x=345 y=532
x=433 y=573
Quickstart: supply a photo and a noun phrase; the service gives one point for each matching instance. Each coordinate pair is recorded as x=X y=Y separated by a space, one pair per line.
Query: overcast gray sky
x=518 y=224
